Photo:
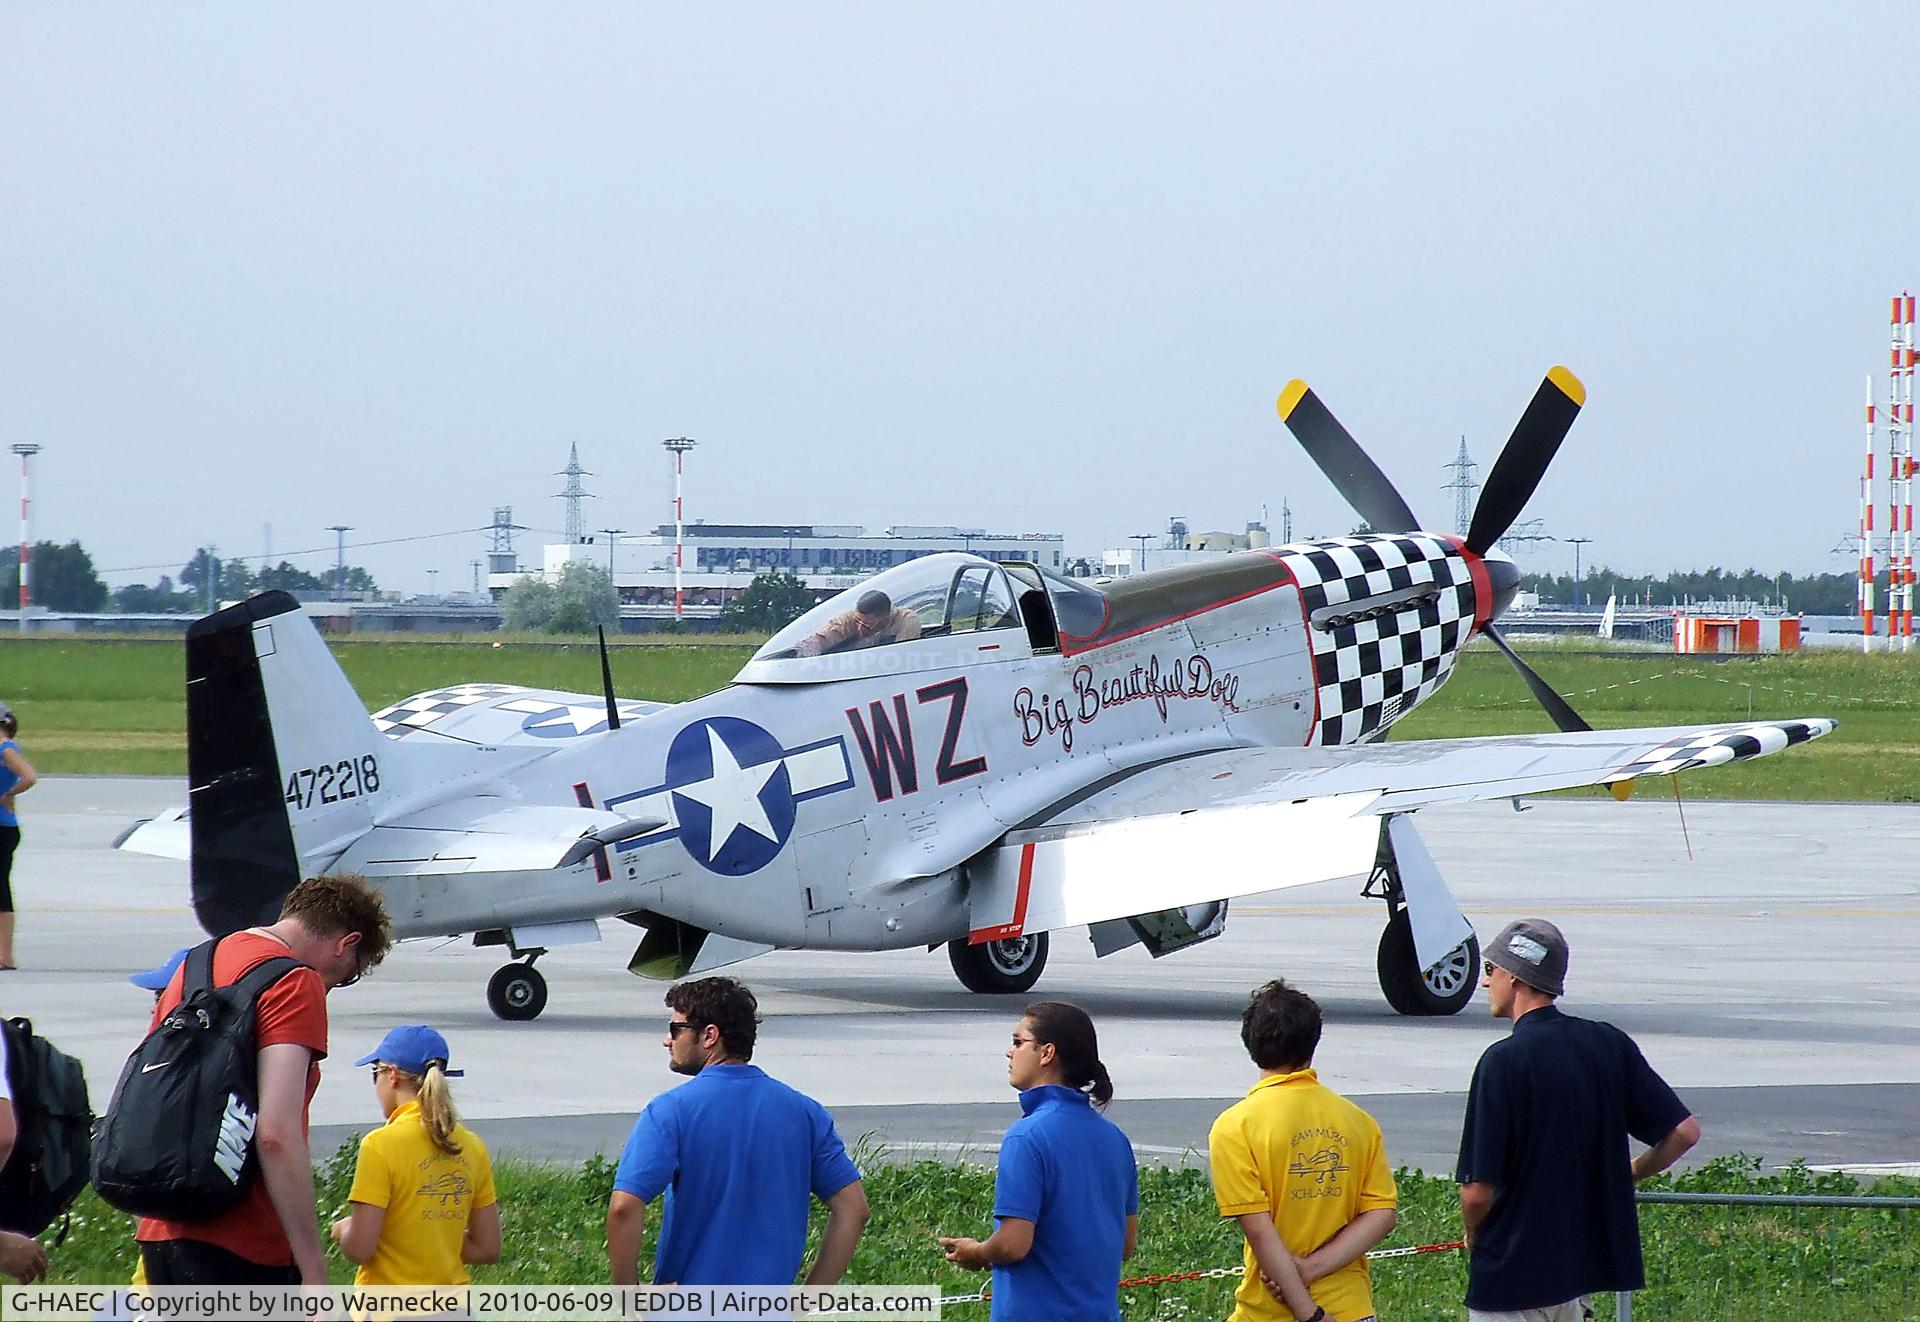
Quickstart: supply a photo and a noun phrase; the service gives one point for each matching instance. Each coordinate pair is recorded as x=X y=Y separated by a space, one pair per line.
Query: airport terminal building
x=722 y=558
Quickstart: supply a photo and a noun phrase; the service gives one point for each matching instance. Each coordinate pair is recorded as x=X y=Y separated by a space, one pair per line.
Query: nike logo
x=148 y=1069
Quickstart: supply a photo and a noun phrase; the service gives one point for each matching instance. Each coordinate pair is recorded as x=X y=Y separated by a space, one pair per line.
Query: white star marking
x=581 y=719
x=733 y=794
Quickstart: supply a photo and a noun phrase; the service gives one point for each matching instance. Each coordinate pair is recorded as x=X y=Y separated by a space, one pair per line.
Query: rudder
x=282 y=759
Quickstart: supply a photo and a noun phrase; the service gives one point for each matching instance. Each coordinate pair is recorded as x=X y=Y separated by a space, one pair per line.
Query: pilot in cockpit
x=874 y=622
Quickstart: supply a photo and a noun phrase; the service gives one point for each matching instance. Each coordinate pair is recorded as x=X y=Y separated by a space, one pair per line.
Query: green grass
x=119 y=706
x=1874 y=755
x=1729 y=1263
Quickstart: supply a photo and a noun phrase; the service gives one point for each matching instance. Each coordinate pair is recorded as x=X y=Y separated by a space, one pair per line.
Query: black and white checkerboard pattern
x=1722 y=744
x=1372 y=672
x=423 y=709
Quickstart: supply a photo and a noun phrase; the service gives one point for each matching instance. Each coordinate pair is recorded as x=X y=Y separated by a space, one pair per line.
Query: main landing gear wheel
x=1443 y=989
x=999 y=967
x=517 y=991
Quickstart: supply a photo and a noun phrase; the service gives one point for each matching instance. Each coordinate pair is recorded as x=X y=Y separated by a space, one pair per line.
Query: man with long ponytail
x=1066 y=1197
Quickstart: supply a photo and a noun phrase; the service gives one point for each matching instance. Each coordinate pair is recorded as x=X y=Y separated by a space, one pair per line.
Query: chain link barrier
x=1214 y=1273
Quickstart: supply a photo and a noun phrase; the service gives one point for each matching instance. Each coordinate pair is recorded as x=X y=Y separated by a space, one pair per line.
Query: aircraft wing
x=1246 y=820
x=503 y=715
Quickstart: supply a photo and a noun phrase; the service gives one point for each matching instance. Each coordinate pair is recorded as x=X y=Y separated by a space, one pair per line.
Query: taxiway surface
x=1771 y=979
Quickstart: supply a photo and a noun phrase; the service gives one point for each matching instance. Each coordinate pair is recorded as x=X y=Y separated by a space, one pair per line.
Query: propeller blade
x=1340 y=457
x=1518 y=470
x=1563 y=715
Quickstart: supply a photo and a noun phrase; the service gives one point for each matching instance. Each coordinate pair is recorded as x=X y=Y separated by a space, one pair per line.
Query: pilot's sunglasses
x=674 y=1027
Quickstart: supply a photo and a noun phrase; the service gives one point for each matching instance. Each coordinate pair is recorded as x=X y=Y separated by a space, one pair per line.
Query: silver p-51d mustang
x=958 y=752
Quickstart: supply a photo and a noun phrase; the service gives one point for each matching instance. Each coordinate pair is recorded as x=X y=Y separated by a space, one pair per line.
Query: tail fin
x=284 y=765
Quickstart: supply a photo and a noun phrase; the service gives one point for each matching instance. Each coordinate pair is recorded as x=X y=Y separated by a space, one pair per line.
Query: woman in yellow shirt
x=422 y=1205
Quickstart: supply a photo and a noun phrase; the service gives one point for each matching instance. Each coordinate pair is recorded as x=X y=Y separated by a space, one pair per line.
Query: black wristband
x=1319 y=1314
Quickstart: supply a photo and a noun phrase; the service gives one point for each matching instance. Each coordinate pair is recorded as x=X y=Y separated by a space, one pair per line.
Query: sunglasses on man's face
x=359 y=967
x=675 y=1026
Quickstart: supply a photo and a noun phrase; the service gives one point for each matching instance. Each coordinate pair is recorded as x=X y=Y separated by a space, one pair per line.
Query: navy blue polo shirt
x=1548 y=1117
x=1070 y=1171
x=737 y=1154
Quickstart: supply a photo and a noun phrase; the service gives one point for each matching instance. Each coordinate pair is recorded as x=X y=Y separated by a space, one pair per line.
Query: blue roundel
x=731 y=793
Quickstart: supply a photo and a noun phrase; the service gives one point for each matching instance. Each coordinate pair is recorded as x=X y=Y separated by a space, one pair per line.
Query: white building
x=722 y=558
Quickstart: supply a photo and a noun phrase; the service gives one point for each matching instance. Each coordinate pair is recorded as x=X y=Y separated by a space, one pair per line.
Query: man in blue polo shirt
x=1546 y=1184
x=738 y=1154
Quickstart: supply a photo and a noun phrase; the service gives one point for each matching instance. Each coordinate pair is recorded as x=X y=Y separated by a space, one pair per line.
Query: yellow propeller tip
x=1290 y=397
x=1569 y=385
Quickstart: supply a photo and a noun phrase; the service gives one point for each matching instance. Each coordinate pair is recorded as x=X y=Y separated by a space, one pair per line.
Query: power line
x=315 y=550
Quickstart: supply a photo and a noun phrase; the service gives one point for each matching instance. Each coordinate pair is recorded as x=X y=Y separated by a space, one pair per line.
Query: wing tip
x=1568 y=384
x=1296 y=390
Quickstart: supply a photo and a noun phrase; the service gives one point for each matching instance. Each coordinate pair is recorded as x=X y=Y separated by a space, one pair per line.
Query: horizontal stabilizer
x=484 y=835
x=167 y=836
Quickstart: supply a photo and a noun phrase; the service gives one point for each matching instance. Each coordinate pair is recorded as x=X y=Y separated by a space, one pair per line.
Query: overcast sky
x=1022 y=267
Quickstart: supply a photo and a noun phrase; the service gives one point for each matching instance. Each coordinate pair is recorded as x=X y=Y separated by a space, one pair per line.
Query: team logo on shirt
x=1321 y=1167
x=449 y=1188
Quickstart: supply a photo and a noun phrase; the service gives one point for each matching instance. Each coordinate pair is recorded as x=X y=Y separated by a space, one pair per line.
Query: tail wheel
x=517 y=992
x=1443 y=989
x=999 y=967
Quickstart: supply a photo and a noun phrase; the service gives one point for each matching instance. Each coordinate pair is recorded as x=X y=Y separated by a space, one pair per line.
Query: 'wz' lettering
x=886 y=740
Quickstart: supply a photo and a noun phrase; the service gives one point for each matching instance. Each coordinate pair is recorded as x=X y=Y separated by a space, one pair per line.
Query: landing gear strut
x=999 y=967
x=1443 y=989
x=517 y=991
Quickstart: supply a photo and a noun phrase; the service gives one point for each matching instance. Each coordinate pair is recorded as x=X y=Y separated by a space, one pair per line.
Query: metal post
x=1578 y=542
x=1866 y=532
x=613 y=537
x=1143 y=538
x=1900 y=471
x=1623 y=1305
x=340 y=531
x=679 y=445
x=26 y=453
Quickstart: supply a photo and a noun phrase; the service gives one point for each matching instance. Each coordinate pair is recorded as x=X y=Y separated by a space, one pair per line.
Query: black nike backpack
x=177 y=1140
x=53 y=1124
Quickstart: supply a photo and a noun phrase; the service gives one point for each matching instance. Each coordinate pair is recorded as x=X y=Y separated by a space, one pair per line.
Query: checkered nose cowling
x=1412 y=601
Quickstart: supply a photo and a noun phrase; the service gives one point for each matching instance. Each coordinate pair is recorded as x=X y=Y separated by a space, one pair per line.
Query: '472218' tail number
x=333 y=782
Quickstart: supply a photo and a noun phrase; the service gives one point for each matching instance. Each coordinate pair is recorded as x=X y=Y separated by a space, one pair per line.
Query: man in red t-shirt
x=337 y=926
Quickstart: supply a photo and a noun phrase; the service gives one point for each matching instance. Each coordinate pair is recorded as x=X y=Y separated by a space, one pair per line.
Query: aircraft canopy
x=932 y=597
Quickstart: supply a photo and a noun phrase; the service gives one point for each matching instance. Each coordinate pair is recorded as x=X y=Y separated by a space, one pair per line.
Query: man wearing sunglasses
x=739 y=1155
x=1546 y=1183
x=337 y=927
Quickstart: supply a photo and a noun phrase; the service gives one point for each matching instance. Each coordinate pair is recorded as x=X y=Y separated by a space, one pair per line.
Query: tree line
x=64 y=579
x=1810 y=594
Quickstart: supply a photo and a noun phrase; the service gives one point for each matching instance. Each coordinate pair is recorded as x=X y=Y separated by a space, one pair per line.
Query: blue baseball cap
x=410 y=1047
x=156 y=980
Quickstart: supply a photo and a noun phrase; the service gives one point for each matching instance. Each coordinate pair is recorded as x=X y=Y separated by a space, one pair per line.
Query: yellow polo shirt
x=428 y=1195
x=1312 y=1160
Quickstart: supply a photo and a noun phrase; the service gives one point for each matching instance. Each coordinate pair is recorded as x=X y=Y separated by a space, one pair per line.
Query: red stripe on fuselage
x=980 y=936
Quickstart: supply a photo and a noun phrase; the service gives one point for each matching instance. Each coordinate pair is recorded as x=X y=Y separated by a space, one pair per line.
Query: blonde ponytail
x=436 y=1105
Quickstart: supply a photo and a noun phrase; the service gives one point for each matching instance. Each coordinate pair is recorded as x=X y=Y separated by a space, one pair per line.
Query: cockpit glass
x=981 y=600
x=1079 y=609
x=897 y=605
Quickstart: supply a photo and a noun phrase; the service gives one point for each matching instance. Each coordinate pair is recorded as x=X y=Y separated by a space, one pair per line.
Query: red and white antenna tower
x=1900 y=471
x=26 y=453
x=679 y=445
x=1865 y=593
